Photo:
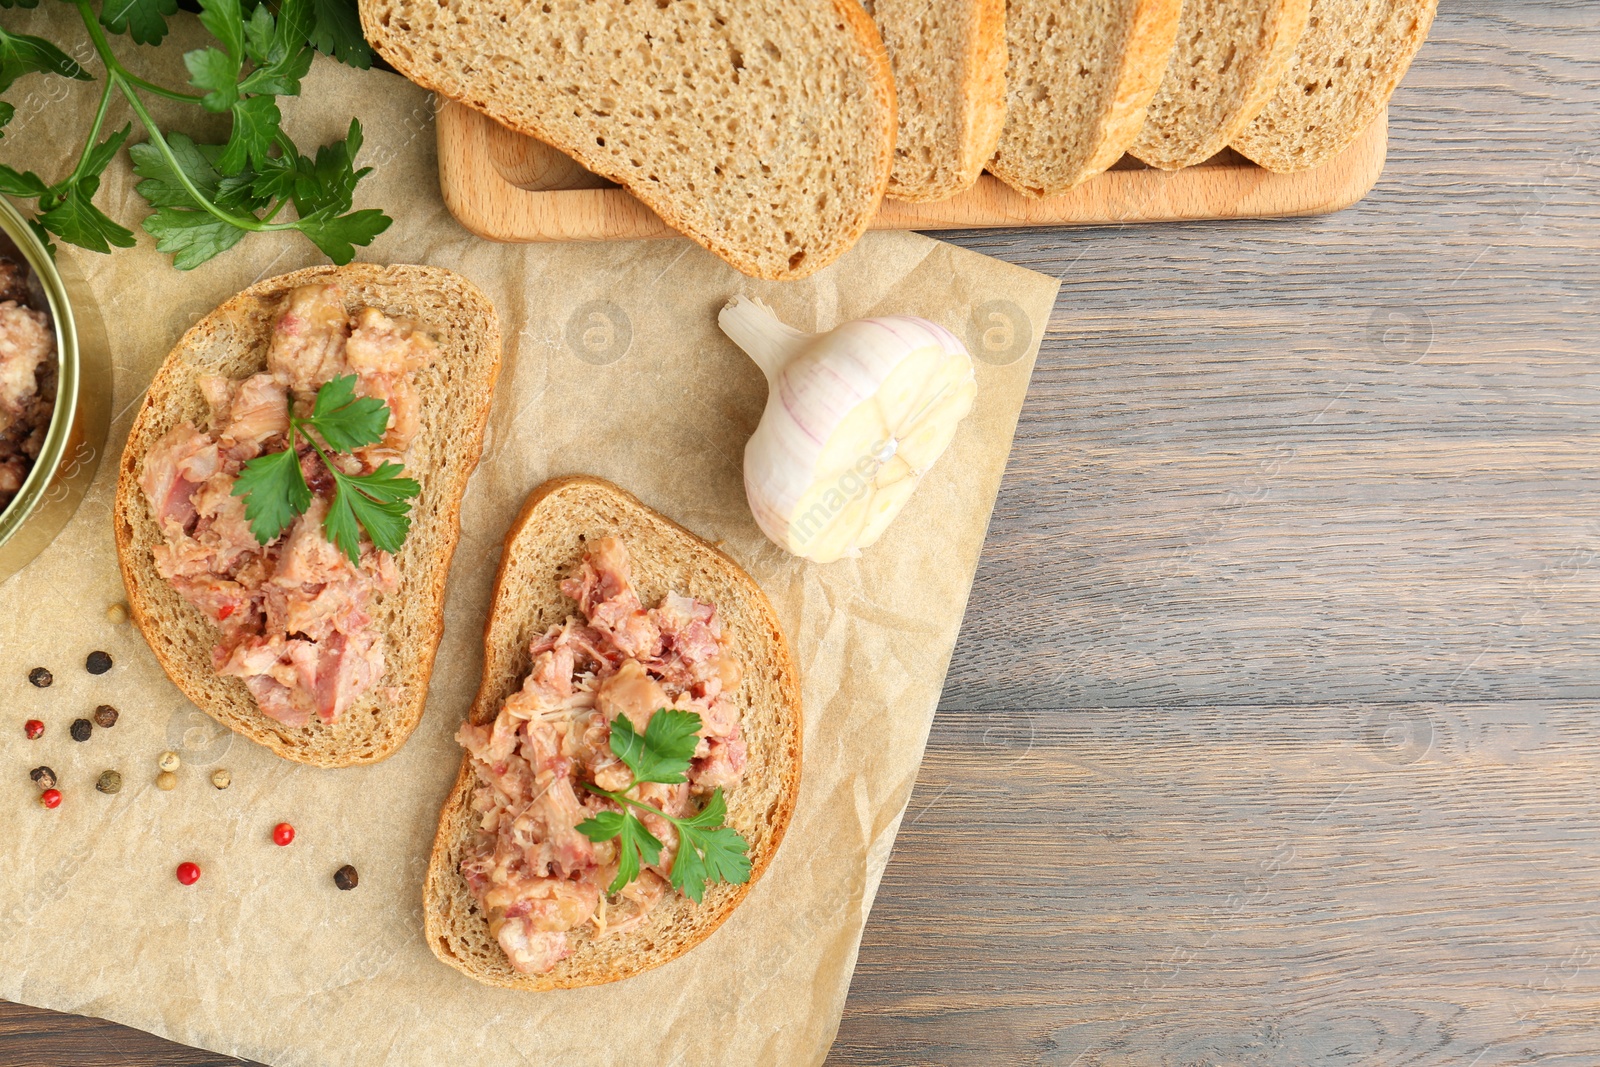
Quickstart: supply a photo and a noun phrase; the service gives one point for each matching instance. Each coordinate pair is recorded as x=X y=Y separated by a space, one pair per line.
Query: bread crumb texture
x=1351 y=57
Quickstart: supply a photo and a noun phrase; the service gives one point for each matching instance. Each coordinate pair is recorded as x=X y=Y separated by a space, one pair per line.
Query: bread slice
x=1229 y=57
x=544 y=544
x=949 y=60
x=455 y=393
x=1353 y=54
x=763 y=131
x=1079 y=80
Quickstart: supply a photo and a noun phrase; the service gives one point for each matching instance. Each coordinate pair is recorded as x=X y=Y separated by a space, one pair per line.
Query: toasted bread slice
x=1353 y=54
x=545 y=543
x=763 y=131
x=1229 y=57
x=1079 y=79
x=455 y=393
x=949 y=60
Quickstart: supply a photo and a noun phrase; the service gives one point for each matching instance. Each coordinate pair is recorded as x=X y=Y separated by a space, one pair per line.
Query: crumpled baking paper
x=613 y=366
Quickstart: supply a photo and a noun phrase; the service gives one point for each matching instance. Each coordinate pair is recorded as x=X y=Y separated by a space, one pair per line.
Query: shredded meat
x=536 y=877
x=27 y=381
x=293 y=615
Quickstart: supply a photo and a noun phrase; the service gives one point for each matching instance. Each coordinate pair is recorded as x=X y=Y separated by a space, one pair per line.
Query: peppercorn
x=41 y=677
x=117 y=614
x=81 y=729
x=169 y=761
x=346 y=877
x=110 y=782
x=105 y=715
x=34 y=729
x=44 y=777
x=98 y=662
x=50 y=798
x=221 y=778
x=188 y=873
x=166 y=781
x=282 y=834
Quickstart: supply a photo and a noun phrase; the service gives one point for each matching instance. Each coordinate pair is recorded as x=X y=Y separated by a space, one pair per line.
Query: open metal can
x=76 y=440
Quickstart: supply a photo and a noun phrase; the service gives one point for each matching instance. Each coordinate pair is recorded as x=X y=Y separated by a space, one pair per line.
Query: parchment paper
x=613 y=366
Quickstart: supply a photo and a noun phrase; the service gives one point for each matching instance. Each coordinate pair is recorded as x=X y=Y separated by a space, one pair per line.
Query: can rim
x=67 y=383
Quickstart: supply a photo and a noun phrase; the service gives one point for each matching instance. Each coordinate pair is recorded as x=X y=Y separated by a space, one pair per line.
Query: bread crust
x=673 y=209
x=232 y=340
x=551 y=526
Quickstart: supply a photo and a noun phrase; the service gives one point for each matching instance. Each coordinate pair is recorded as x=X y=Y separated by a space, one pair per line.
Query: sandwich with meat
x=288 y=501
x=632 y=758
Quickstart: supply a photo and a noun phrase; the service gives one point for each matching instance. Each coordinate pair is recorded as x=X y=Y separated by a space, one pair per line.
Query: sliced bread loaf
x=949 y=60
x=455 y=391
x=1353 y=54
x=1229 y=57
x=764 y=132
x=1077 y=84
x=543 y=546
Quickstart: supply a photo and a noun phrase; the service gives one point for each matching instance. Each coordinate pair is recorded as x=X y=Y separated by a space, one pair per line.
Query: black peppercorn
x=41 y=677
x=98 y=663
x=81 y=729
x=105 y=715
x=346 y=877
x=43 y=777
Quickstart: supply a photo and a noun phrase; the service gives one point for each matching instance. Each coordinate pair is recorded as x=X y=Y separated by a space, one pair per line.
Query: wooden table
x=1273 y=735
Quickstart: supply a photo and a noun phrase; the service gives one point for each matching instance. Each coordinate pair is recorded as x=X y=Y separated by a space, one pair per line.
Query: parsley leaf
x=707 y=851
x=275 y=493
x=7 y=113
x=279 y=48
x=21 y=54
x=663 y=752
x=43 y=235
x=100 y=156
x=336 y=31
x=216 y=74
x=190 y=236
x=258 y=34
x=160 y=186
x=379 y=502
x=275 y=490
x=602 y=827
x=21 y=183
x=345 y=421
x=143 y=20
x=337 y=234
x=326 y=184
x=77 y=220
x=225 y=20
x=260 y=50
x=636 y=846
x=256 y=120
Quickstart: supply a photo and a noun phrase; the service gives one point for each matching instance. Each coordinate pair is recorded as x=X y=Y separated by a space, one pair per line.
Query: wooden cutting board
x=510 y=187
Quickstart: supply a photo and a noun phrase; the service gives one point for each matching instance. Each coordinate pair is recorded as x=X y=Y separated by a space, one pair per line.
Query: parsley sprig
x=708 y=851
x=275 y=491
x=205 y=197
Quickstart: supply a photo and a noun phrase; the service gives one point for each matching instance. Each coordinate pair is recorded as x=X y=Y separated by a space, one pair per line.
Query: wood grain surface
x=509 y=187
x=1273 y=731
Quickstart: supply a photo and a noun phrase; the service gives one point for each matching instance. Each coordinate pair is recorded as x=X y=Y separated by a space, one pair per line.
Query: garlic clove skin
x=854 y=418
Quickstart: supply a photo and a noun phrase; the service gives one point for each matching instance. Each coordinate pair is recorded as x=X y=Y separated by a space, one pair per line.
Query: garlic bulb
x=854 y=418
